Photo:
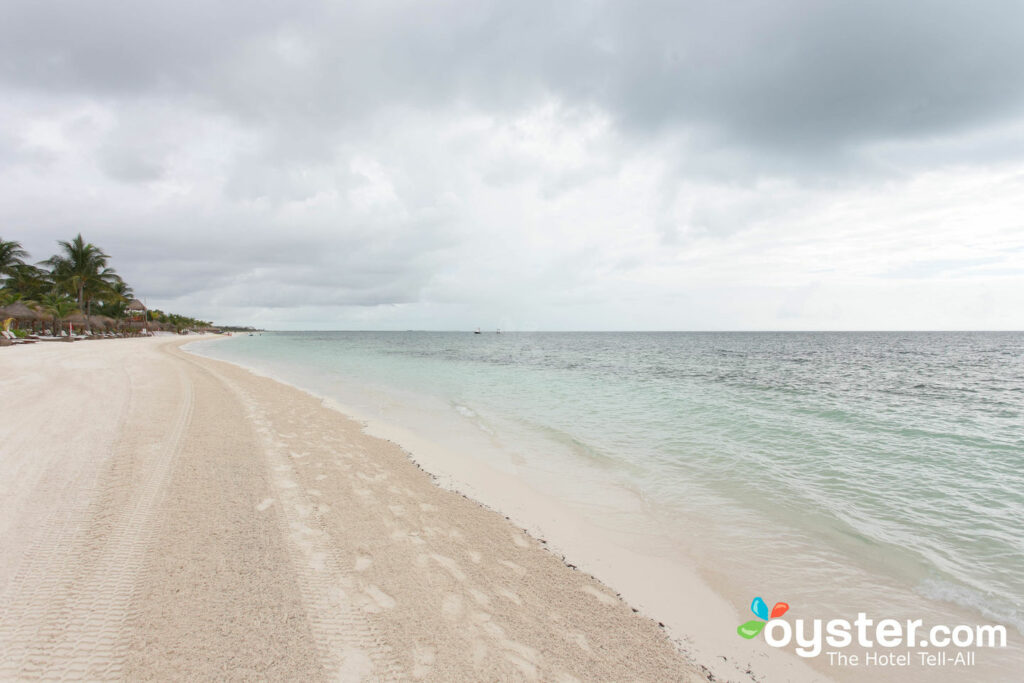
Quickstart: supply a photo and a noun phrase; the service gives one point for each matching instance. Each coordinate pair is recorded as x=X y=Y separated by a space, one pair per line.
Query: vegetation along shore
x=75 y=290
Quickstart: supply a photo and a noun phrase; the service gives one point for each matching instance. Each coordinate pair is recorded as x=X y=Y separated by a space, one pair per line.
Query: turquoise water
x=828 y=466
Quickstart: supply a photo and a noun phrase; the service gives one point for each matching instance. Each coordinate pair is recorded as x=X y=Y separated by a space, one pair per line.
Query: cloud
x=585 y=164
x=789 y=74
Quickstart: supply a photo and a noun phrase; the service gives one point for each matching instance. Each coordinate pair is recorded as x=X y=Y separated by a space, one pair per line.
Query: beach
x=512 y=342
x=166 y=516
x=694 y=471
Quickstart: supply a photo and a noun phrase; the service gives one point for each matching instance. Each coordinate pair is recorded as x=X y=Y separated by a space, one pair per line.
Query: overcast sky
x=528 y=165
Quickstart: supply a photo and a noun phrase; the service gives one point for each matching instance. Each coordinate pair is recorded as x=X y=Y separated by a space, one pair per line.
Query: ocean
x=837 y=471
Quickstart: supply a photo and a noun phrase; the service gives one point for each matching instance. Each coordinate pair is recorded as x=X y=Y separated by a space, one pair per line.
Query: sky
x=738 y=165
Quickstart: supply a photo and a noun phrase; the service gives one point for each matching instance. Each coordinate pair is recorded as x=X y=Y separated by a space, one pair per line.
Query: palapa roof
x=20 y=311
x=136 y=305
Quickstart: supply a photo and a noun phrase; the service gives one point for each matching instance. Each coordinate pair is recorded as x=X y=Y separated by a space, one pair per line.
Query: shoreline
x=696 y=616
x=622 y=549
x=201 y=520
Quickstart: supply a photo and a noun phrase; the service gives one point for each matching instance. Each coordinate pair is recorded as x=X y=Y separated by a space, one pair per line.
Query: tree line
x=78 y=278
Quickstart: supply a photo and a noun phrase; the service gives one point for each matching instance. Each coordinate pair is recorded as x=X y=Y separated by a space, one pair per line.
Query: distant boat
x=477 y=331
x=498 y=331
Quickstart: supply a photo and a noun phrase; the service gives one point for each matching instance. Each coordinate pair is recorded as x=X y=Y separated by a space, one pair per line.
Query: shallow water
x=835 y=469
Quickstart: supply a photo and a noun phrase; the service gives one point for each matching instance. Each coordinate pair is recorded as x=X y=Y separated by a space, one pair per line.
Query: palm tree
x=11 y=255
x=27 y=282
x=58 y=305
x=81 y=271
x=100 y=286
x=114 y=300
x=8 y=297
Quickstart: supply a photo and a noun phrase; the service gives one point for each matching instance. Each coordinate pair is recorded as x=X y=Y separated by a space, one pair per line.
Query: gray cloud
x=792 y=76
x=385 y=153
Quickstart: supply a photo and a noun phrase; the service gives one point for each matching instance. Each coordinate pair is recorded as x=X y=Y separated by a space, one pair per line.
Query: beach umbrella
x=77 y=318
x=102 y=321
x=21 y=313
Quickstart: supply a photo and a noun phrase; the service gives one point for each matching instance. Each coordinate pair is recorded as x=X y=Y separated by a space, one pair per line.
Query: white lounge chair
x=15 y=339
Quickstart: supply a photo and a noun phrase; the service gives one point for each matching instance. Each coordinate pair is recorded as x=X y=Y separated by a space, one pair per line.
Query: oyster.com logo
x=901 y=642
x=760 y=609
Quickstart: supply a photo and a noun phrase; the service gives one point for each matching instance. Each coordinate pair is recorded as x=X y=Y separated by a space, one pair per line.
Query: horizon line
x=611 y=331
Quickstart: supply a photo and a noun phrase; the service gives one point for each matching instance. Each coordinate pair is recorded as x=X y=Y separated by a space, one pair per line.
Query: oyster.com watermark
x=903 y=643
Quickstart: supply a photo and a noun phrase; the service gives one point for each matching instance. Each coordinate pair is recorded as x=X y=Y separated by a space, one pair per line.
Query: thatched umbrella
x=102 y=321
x=21 y=313
x=77 y=318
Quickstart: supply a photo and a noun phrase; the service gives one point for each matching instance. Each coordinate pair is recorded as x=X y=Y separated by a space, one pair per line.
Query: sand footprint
x=423 y=662
x=264 y=504
x=317 y=561
x=356 y=665
x=481 y=598
x=451 y=605
x=451 y=566
x=510 y=596
x=363 y=563
x=580 y=639
x=601 y=597
x=413 y=537
x=376 y=600
x=479 y=653
x=564 y=677
x=525 y=658
x=518 y=570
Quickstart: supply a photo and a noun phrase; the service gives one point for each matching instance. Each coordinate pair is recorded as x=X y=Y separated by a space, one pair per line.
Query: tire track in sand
x=70 y=600
x=350 y=648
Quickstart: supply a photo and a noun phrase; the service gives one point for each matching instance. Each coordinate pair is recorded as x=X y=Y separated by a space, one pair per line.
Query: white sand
x=169 y=517
x=666 y=587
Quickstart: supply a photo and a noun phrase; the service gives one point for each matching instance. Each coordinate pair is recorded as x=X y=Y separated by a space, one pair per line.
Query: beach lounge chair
x=15 y=339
